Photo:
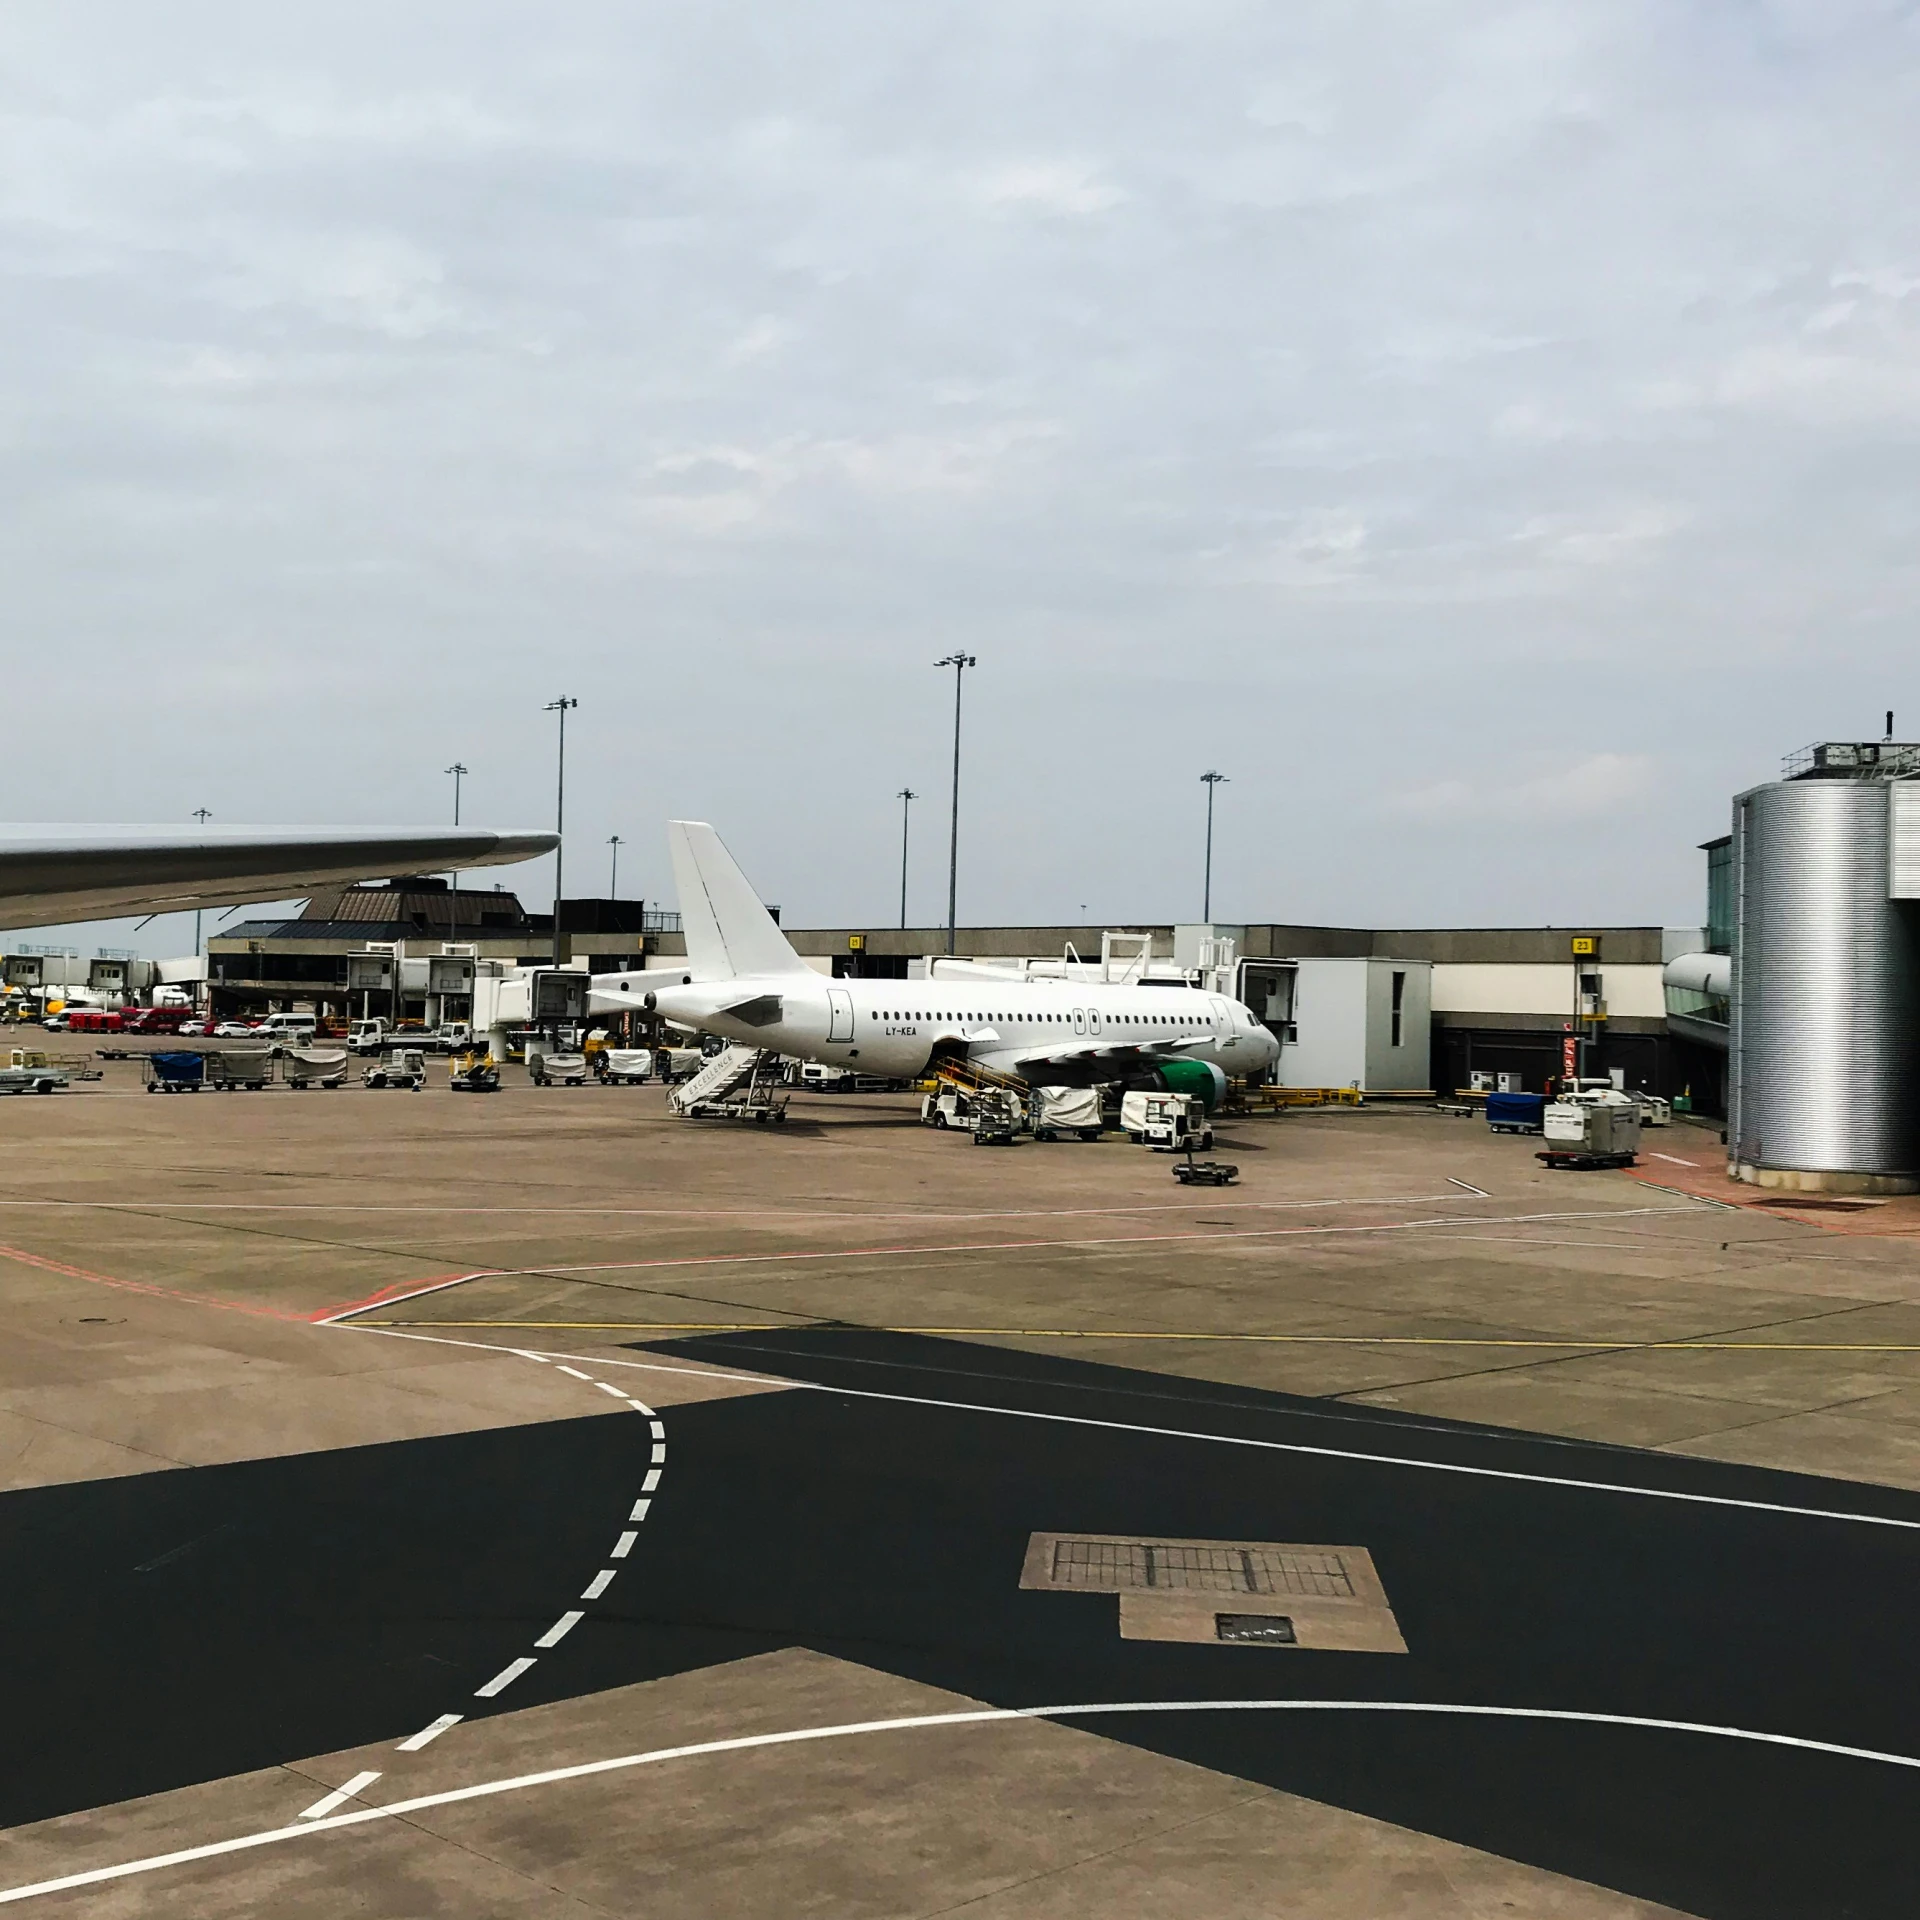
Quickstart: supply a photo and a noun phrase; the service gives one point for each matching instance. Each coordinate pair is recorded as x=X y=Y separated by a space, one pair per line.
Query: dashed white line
x=598 y=1585
x=639 y=1509
x=1672 y=1160
x=659 y=1430
x=1465 y=1186
x=340 y=1796
x=504 y=1678
x=617 y=1392
x=415 y=1742
x=624 y=1545
x=651 y=1482
x=578 y=1375
x=659 y=1454
x=560 y=1629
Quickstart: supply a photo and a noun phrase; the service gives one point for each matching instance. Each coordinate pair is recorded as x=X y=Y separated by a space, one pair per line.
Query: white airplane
x=744 y=982
x=54 y=874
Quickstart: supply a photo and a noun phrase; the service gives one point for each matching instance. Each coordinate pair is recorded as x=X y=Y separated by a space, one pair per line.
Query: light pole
x=560 y=707
x=453 y=879
x=203 y=815
x=959 y=662
x=613 y=877
x=1210 y=780
x=906 y=797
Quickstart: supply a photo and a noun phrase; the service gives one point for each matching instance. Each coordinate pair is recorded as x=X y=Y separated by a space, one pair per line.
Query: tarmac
x=534 y=1504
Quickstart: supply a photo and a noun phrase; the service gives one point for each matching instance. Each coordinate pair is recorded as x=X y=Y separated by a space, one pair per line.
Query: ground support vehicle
x=229 y=1068
x=623 y=1066
x=474 y=1071
x=303 y=1067
x=1516 y=1112
x=997 y=1116
x=1063 y=1112
x=1205 y=1173
x=557 y=1069
x=1591 y=1129
x=174 y=1072
x=30 y=1071
x=402 y=1067
x=1167 y=1122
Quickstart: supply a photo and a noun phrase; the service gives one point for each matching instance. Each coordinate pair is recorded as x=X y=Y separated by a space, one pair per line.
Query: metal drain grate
x=1255 y=1629
x=1196 y=1566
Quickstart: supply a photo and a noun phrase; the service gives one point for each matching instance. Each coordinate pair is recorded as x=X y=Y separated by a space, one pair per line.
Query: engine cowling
x=1199 y=1079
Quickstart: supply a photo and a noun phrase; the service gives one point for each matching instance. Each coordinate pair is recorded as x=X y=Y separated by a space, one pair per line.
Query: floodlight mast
x=959 y=662
x=906 y=796
x=560 y=707
x=459 y=772
x=1211 y=780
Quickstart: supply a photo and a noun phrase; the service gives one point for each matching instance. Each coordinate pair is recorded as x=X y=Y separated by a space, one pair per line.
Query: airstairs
x=969 y=1076
x=736 y=1084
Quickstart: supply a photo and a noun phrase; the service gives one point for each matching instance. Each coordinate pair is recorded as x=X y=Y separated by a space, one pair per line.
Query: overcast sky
x=1486 y=432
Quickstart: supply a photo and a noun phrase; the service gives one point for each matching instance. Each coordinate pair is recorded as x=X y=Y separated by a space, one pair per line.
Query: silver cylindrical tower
x=1825 y=1053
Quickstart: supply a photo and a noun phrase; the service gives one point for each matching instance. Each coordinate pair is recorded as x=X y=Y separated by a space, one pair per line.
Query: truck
x=377 y=1035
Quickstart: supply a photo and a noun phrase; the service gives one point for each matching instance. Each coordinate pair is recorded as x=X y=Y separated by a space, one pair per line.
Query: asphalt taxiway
x=542 y=1512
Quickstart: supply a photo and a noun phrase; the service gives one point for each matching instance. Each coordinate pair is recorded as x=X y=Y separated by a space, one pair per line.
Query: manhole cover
x=1255 y=1629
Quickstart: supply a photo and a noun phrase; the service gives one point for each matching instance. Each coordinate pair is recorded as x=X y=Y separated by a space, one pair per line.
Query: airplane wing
x=1103 y=1059
x=54 y=874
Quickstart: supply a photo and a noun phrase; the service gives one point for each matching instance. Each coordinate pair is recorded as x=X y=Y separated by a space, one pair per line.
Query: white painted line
x=526 y=1353
x=619 y=1393
x=394 y=1300
x=659 y=1454
x=1672 y=1160
x=578 y=1375
x=560 y=1629
x=1479 y=1193
x=986 y=1716
x=340 y=1796
x=600 y=1582
x=624 y=1545
x=1233 y=1440
x=502 y=1680
x=639 y=1509
x=659 y=1428
x=433 y=1732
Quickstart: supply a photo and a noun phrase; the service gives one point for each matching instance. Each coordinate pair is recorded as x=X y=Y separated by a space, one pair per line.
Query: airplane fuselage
x=893 y=1028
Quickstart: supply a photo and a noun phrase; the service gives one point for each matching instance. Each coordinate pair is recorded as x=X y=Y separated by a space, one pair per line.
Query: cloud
x=1351 y=398
x=1534 y=788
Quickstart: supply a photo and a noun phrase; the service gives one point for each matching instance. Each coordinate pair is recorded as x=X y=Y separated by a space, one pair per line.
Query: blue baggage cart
x=1516 y=1112
x=176 y=1072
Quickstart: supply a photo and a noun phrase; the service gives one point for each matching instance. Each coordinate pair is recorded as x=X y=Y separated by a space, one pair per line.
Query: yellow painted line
x=1094 y=1333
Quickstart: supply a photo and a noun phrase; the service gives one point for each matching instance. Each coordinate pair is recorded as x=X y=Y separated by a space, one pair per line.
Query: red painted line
x=143 y=1286
x=381 y=1296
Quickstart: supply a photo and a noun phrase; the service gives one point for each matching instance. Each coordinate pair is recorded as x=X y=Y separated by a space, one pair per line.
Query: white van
x=290 y=1029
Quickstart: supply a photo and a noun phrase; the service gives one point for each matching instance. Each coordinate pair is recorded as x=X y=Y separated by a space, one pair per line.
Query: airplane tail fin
x=728 y=931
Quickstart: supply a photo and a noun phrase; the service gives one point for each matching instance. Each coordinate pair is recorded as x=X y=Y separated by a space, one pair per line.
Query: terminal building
x=1390 y=1010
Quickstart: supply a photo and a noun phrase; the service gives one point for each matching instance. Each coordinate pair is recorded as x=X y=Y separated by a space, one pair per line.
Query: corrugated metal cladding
x=1903 y=851
x=1825 y=1060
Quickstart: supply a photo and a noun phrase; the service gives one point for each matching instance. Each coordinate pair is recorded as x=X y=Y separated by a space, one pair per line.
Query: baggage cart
x=231 y=1068
x=303 y=1067
x=174 y=1072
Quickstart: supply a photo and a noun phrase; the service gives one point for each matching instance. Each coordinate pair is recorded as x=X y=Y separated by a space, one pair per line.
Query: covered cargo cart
x=174 y=1072
x=303 y=1067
